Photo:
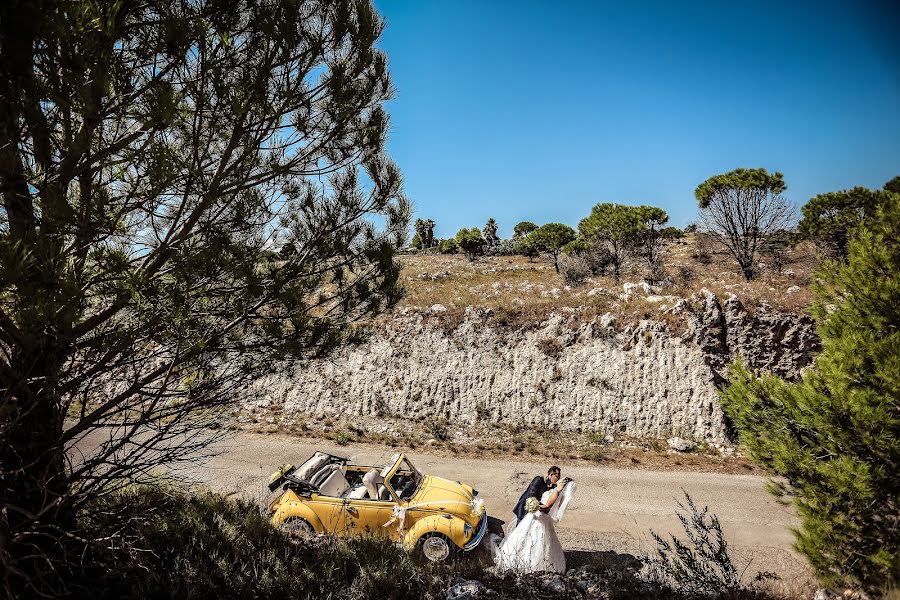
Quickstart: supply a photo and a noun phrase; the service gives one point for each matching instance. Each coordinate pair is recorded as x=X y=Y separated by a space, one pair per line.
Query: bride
x=533 y=545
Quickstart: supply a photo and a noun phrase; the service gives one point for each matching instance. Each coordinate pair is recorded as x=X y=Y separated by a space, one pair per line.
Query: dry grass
x=518 y=292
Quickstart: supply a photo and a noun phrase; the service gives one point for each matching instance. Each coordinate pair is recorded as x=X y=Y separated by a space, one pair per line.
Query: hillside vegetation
x=529 y=289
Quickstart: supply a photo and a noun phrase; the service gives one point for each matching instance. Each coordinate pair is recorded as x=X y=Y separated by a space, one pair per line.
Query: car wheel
x=297 y=528
x=436 y=548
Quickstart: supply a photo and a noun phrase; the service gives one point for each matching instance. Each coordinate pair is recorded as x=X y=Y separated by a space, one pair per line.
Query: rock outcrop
x=565 y=373
x=779 y=343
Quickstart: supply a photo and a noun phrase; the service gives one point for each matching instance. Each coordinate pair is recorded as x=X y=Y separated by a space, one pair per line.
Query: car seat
x=334 y=484
x=372 y=481
x=357 y=493
x=312 y=467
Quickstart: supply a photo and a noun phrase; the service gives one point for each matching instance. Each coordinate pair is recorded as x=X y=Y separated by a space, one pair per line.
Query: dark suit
x=535 y=489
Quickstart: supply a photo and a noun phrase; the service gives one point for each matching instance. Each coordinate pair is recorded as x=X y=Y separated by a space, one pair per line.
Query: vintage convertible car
x=327 y=494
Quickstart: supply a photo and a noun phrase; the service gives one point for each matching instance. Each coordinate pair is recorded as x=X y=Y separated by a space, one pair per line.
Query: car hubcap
x=436 y=549
x=297 y=528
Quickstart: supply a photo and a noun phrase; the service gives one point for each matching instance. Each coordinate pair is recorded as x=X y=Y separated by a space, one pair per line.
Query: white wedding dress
x=532 y=545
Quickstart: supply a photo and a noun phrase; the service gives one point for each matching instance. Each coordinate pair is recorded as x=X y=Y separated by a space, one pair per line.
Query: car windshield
x=406 y=479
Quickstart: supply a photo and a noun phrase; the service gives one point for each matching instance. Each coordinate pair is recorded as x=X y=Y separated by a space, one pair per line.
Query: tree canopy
x=550 y=238
x=153 y=156
x=425 y=232
x=490 y=233
x=523 y=228
x=741 y=208
x=615 y=226
x=651 y=236
x=829 y=219
x=470 y=241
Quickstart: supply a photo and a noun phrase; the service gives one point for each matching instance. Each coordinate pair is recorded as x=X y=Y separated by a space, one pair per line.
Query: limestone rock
x=680 y=445
x=644 y=384
x=565 y=373
x=468 y=590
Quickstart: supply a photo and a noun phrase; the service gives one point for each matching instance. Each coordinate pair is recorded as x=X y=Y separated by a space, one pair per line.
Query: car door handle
x=352 y=511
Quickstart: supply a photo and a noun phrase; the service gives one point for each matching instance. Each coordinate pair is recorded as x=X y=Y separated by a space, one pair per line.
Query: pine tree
x=551 y=238
x=835 y=436
x=153 y=155
x=741 y=208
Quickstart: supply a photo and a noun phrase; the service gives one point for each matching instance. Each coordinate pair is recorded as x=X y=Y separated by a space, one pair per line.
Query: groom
x=536 y=489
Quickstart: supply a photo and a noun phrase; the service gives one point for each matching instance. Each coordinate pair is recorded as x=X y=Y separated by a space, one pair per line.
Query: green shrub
x=341 y=438
x=835 y=435
x=505 y=248
x=207 y=546
x=700 y=566
x=471 y=242
x=830 y=219
x=438 y=429
x=448 y=246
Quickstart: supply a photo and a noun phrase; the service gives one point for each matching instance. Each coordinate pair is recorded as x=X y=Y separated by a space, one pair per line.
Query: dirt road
x=614 y=509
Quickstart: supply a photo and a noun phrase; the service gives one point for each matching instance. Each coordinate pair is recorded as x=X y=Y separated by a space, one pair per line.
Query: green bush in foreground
x=835 y=436
x=204 y=546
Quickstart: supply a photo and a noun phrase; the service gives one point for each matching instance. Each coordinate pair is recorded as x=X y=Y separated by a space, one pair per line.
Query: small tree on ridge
x=470 y=242
x=616 y=227
x=523 y=228
x=551 y=238
x=490 y=233
x=741 y=208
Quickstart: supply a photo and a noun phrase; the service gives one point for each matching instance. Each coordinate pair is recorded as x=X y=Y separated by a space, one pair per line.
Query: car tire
x=296 y=527
x=437 y=548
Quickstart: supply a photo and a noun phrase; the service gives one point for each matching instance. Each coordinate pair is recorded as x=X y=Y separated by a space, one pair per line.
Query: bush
x=702 y=251
x=448 y=246
x=438 y=429
x=206 y=546
x=511 y=247
x=574 y=268
x=685 y=275
x=775 y=249
x=835 y=435
x=341 y=438
x=701 y=566
x=598 y=258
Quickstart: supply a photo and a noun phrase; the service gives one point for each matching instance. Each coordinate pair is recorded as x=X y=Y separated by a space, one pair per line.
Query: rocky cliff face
x=565 y=373
x=780 y=343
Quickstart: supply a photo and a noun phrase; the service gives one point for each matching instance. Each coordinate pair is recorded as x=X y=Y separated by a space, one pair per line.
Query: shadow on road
x=602 y=560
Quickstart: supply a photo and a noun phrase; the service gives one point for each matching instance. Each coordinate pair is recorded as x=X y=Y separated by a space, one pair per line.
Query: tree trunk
x=33 y=487
x=747 y=270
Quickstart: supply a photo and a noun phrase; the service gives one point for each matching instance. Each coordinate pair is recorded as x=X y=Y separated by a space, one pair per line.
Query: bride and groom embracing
x=531 y=544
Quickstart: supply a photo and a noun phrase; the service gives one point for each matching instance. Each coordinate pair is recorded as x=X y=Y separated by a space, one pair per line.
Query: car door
x=331 y=513
x=369 y=517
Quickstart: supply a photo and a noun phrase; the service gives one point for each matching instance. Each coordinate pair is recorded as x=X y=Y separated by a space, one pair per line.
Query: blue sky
x=537 y=111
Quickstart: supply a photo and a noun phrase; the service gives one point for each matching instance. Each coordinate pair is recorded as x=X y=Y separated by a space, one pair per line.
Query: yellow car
x=327 y=494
